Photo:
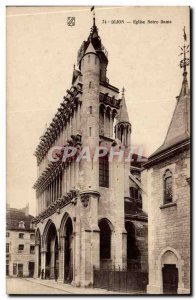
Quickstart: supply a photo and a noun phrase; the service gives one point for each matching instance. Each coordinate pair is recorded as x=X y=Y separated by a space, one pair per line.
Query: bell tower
x=92 y=64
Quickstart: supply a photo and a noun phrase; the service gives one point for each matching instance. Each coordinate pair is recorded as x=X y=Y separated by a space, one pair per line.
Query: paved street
x=38 y=286
x=22 y=286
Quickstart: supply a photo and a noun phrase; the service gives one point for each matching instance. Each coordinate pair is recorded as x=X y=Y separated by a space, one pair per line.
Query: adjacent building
x=167 y=185
x=20 y=243
x=87 y=216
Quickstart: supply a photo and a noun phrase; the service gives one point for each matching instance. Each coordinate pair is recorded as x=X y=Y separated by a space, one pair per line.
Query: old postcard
x=98 y=150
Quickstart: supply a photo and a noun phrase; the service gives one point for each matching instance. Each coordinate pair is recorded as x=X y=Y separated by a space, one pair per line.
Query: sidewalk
x=69 y=289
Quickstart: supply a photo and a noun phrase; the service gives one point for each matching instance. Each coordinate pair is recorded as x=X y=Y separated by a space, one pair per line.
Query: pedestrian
x=42 y=274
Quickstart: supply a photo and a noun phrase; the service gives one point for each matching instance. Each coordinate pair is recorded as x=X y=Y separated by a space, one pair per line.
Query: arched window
x=105 y=240
x=167 y=185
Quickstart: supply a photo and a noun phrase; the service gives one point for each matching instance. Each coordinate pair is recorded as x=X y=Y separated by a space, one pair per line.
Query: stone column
x=53 y=190
x=74 y=121
x=36 y=261
x=61 y=259
x=71 y=124
x=104 y=123
x=77 y=251
x=43 y=261
x=111 y=125
x=118 y=241
x=56 y=180
x=79 y=118
x=69 y=178
x=76 y=125
x=89 y=236
x=124 y=250
x=52 y=258
x=49 y=187
x=59 y=179
x=76 y=172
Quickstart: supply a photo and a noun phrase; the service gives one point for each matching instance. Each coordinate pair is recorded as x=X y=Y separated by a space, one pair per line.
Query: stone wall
x=169 y=225
x=22 y=257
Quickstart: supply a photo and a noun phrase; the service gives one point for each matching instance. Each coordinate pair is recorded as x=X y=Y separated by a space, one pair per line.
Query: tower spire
x=123 y=126
x=184 y=62
x=123 y=115
x=123 y=91
x=93 y=9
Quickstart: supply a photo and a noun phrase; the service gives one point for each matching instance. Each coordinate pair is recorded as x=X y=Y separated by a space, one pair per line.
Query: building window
x=89 y=84
x=20 y=270
x=7 y=234
x=101 y=120
x=32 y=249
x=7 y=268
x=168 y=189
x=135 y=194
x=21 y=224
x=90 y=110
x=7 y=248
x=21 y=235
x=20 y=248
x=104 y=171
x=14 y=269
x=32 y=236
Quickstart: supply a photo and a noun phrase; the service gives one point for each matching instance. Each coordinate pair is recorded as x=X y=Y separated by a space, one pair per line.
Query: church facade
x=86 y=217
x=166 y=177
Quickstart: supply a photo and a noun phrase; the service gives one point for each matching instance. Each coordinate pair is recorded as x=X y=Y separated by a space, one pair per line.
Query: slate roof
x=179 y=128
x=123 y=115
x=14 y=216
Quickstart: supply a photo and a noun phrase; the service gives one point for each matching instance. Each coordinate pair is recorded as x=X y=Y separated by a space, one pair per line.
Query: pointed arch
x=106 y=229
x=45 y=233
x=51 y=246
x=66 y=240
x=172 y=256
x=168 y=186
x=64 y=219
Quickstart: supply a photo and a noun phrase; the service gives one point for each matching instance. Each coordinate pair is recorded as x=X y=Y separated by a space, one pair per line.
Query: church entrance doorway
x=170 y=279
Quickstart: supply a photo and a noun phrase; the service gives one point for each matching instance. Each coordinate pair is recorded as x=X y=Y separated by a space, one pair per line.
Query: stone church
x=89 y=213
x=166 y=178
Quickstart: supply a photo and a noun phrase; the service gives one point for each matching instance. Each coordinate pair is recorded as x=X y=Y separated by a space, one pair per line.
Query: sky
x=41 y=52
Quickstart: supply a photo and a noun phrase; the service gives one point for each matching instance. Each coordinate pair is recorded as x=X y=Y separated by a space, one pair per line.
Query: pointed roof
x=179 y=128
x=90 y=48
x=94 y=41
x=123 y=115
